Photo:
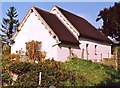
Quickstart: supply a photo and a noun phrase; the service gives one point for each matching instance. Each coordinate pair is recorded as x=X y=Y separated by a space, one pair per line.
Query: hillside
x=94 y=74
x=75 y=72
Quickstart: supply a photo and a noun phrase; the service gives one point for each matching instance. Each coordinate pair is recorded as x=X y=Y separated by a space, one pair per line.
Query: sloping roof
x=58 y=27
x=85 y=29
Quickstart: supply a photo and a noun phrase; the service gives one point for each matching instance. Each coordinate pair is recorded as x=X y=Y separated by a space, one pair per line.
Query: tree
x=111 y=21
x=9 y=25
x=33 y=51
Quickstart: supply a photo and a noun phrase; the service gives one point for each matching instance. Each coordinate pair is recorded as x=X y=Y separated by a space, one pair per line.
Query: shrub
x=20 y=68
x=52 y=74
x=5 y=62
x=33 y=51
x=27 y=79
x=6 y=78
x=6 y=49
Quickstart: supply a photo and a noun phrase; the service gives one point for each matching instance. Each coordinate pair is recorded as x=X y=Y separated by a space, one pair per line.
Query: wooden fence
x=117 y=58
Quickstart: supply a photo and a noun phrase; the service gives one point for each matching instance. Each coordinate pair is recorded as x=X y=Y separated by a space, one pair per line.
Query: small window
x=87 y=50
x=87 y=45
x=70 y=52
x=95 y=49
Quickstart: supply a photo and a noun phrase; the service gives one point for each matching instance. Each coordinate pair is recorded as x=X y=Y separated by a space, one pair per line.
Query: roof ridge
x=44 y=10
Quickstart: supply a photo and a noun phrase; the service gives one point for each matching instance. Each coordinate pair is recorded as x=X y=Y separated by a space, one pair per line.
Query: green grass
x=93 y=73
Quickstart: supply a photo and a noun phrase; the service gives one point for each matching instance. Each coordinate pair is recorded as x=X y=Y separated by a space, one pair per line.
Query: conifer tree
x=9 y=25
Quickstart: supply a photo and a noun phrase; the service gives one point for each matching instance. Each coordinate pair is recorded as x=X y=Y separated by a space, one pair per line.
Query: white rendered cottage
x=63 y=34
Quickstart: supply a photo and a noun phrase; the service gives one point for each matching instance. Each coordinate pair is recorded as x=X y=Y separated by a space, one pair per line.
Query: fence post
x=82 y=54
x=116 y=59
x=40 y=78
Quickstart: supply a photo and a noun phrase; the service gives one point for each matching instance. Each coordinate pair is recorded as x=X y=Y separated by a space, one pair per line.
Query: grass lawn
x=93 y=73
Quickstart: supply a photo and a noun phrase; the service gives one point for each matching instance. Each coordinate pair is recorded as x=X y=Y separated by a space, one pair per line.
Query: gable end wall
x=33 y=29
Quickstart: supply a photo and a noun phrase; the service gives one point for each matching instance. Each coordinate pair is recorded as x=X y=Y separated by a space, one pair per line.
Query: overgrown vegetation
x=75 y=72
x=52 y=74
x=33 y=51
x=6 y=77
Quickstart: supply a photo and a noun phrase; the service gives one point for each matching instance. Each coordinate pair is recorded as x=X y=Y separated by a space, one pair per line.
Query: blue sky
x=88 y=10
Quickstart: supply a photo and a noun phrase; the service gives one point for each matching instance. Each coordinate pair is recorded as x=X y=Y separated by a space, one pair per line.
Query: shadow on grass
x=109 y=84
x=113 y=81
